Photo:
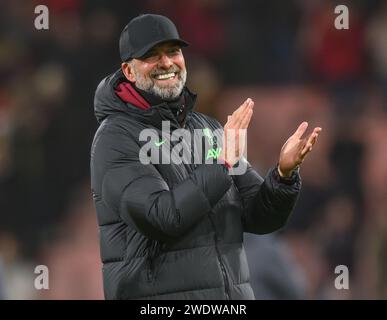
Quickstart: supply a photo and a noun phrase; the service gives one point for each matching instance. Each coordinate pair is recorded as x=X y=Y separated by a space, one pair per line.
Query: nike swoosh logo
x=158 y=144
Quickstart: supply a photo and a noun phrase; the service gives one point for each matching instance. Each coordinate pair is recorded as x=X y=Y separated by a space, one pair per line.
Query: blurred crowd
x=286 y=55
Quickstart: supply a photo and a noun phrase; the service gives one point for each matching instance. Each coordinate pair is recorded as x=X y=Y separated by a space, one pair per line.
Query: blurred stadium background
x=286 y=55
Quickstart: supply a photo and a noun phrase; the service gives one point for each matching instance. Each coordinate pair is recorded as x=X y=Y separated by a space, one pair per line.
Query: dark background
x=286 y=55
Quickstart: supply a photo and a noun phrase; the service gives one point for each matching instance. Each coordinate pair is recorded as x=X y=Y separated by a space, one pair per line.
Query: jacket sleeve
x=142 y=198
x=267 y=203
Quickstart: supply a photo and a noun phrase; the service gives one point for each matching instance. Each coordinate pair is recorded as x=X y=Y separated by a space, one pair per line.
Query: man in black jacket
x=174 y=230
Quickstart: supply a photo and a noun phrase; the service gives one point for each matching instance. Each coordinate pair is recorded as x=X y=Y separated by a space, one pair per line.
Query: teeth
x=165 y=76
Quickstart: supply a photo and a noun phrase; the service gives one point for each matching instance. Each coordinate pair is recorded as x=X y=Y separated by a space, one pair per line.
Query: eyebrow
x=151 y=52
x=154 y=51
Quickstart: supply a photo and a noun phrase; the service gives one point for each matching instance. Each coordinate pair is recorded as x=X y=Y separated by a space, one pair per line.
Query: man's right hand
x=234 y=136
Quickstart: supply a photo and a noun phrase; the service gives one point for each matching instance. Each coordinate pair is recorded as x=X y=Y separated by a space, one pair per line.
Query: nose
x=165 y=61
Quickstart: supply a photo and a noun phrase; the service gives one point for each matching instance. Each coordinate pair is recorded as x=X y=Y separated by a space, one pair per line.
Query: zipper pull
x=181 y=109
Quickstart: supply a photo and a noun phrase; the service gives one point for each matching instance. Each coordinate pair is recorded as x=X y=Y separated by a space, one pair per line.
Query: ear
x=127 y=70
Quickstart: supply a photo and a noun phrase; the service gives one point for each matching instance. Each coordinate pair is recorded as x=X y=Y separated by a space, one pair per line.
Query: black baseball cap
x=143 y=32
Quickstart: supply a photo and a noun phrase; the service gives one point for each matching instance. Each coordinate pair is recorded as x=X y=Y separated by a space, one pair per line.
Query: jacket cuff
x=225 y=165
x=295 y=176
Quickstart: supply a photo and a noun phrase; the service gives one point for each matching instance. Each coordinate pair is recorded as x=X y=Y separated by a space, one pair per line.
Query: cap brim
x=145 y=49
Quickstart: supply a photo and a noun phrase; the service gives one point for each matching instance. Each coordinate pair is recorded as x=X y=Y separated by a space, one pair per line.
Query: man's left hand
x=295 y=149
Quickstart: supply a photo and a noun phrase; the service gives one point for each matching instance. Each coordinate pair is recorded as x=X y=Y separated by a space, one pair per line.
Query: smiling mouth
x=165 y=76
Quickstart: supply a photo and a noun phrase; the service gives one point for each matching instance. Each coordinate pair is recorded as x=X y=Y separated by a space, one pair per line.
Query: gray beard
x=165 y=93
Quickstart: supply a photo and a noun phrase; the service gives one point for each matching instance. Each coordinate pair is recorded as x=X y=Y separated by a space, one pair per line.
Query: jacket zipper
x=222 y=267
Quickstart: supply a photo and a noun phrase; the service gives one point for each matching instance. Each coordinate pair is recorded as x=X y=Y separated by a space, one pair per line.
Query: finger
x=302 y=157
x=309 y=144
x=239 y=113
x=245 y=115
x=314 y=135
x=241 y=107
x=246 y=120
x=305 y=151
x=300 y=130
x=230 y=121
x=313 y=139
x=250 y=104
x=306 y=145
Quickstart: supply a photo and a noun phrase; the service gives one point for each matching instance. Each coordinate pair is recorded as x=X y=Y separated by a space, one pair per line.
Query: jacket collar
x=175 y=111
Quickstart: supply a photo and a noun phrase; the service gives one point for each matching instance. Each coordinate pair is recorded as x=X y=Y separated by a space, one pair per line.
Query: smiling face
x=161 y=71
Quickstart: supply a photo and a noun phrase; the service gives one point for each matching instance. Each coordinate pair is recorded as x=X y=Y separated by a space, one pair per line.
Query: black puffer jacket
x=174 y=231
